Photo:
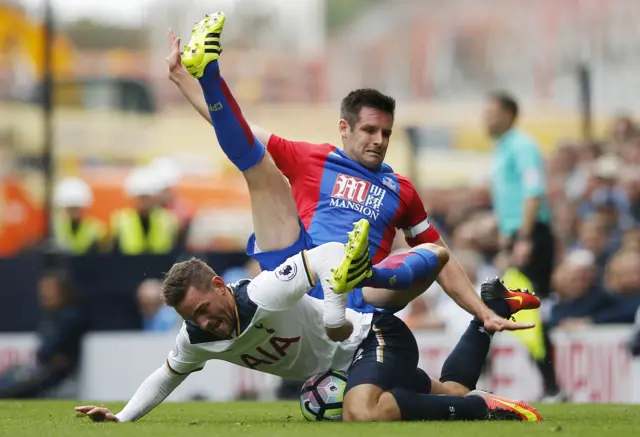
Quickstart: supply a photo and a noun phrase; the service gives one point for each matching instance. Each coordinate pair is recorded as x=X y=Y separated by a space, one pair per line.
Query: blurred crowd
x=156 y=222
x=593 y=190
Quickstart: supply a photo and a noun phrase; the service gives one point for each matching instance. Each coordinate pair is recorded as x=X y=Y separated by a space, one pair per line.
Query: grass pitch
x=283 y=419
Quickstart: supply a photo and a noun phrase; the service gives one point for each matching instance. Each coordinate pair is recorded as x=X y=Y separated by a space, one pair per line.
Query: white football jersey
x=281 y=329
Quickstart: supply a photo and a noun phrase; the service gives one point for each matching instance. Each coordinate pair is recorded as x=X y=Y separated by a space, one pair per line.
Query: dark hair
x=182 y=276
x=365 y=97
x=507 y=102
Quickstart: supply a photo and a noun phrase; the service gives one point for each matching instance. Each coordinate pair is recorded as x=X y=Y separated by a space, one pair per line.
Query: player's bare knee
x=384 y=410
x=442 y=253
x=387 y=409
x=357 y=413
x=360 y=403
x=451 y=388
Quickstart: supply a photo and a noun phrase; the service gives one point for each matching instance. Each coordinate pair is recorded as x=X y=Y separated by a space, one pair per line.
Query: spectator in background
x=147 y=228
x=622 y=130
x=631 y=240
x=582 y=301
x=75 y=231
x=631 y=151
x=623 y=274
x=604 y=194
x=630 y=185
x=564 y=172
x=577 y=185
x=523 y=214
x=577 y=292
x=169 y=197
x=565 y=225
x=60 y=334
x=156 y=316
x=593 y=235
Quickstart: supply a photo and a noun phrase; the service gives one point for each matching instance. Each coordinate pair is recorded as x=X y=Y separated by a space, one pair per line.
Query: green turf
x=57 y=418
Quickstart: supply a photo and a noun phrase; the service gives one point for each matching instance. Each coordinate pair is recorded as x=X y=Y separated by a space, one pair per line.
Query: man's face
x=574 y=281
x=497 y=121
x=74 y=213
x=145 y=203
x=149 y=299
x=631 y=186
x=367 y=142
x=212 y=310
x=631 y=152
x=165 y=197
x=622 y=129
x=593 y=237
x=625 y=273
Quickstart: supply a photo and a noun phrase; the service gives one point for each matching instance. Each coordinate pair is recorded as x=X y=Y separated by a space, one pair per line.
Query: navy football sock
x=399 y=272
x=233 y=131
x=414 y=406
x=464 y=364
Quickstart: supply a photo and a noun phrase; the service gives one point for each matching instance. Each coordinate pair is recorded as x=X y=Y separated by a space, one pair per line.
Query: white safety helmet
x=142 y=181
x=167 y=172
x=73 y=193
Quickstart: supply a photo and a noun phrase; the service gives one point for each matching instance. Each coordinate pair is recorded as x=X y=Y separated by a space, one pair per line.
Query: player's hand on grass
x=97 y=414
x=495 y=323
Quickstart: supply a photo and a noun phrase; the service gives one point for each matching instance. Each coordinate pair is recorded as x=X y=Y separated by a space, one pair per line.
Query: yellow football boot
x=204 y=46
x=356 y=264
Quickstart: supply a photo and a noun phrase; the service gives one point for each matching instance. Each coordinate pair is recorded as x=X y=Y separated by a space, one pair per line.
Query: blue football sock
x=414 y=406
x=233 y=131
x=464 y=364
x=401 y=271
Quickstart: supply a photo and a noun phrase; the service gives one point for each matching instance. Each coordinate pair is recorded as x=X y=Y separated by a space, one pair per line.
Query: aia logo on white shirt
x=357 y=194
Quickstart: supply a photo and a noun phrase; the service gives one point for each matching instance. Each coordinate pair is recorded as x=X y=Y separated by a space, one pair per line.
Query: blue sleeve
x=530 y=165
x=587 y=306
x=620 y=310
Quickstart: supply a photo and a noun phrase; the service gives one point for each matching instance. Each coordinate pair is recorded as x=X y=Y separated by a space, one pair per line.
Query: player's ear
x=218 y=283
x=344 y=128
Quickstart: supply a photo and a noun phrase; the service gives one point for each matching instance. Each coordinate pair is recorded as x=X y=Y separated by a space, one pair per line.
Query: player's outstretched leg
x=411 y=406
x=406 y=270
x=382 y=383
x=400 y=278
x=200 y=58
x=275 y=216
x=462 y=368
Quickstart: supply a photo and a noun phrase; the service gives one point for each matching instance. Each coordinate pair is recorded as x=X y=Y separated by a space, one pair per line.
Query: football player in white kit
x=271 y=325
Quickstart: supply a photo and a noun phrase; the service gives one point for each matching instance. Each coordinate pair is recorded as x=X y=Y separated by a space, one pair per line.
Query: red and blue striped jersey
x=332 y=191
